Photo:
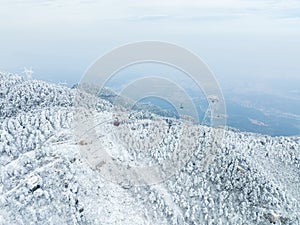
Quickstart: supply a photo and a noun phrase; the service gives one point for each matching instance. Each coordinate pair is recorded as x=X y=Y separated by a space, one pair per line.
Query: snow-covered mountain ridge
x=254 y=179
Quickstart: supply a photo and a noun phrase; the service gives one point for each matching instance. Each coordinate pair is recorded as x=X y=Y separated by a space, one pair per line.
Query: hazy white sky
x=91 y=10
x=241 y=40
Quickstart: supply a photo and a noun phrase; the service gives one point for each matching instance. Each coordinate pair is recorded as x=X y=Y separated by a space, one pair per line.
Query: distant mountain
x=271 y=118
x=253 y=178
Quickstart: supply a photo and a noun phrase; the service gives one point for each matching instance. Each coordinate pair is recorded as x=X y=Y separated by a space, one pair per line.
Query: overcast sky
x=246 y=42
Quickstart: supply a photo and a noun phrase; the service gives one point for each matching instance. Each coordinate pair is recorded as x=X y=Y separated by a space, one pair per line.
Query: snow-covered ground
x=45 y=179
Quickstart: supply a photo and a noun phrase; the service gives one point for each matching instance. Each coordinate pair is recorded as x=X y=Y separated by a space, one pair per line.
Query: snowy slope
x=44 y=179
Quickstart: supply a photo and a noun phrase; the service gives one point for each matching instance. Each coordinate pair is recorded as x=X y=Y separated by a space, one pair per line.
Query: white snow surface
x=254 y=179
